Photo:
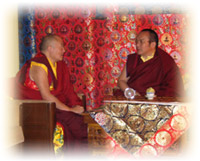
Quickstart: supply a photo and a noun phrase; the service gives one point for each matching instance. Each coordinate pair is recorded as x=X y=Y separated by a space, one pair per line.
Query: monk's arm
x=39 y=75
x=122 y=80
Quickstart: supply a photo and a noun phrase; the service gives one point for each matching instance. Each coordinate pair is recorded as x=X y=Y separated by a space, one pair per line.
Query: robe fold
x=74 y=128
x=160 y=73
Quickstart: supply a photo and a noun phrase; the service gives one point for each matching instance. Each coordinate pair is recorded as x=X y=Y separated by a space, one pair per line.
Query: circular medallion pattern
x=100 y=41
x=175 y=20
x=85 y=13
x=124 y=52
x=123 y=18
x=132 y=35
x=178 y=122
x=115 y=36
x=86 y=45
x=176 y=56
x=163 y=138
x=49 y=30
x=87 y=79
x=115 y=72
x=73 y=79
x=118 y=110
x=166 y=39
x=121 y=137
x=41 y=14
x=136 y=123
x=149 y=112
x=107 y=54
x=78 y=29
x=63 y=29
x=158 y=20
x=101 y=75
x=148 y=150
x=71 y=45
x=79 y=62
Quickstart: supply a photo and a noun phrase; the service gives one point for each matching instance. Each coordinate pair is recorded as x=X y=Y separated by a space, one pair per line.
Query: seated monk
x=46 y=76
x=150 y=67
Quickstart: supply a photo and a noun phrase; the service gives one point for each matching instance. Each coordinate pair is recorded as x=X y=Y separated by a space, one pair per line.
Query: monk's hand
x=127 y=78
x=137 y=94
x=78 y=109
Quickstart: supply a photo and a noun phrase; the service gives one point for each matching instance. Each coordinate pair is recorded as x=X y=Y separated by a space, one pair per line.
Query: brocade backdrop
x=99 y=39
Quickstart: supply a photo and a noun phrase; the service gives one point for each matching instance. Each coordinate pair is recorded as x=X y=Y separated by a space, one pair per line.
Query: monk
x=47 y=77
x=150 y=67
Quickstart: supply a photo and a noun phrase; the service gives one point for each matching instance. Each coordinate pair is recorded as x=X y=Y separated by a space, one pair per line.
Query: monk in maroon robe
x=47 y=77
x=150 y=67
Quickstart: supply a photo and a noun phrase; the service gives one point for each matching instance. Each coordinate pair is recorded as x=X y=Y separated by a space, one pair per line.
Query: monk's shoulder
x=132 y=56
x=165 y=56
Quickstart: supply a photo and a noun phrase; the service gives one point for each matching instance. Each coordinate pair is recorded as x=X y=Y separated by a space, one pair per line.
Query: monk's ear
x=153 y=44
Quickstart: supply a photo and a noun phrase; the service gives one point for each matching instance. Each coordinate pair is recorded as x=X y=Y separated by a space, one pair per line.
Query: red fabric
x=97 y=49
x=160 y=73
x=63 y=89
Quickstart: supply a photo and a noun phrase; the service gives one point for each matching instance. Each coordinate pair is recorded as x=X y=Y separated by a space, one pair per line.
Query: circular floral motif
x=178 y=122
x=132 y=35
x=78 y=29
x=73 y=79
x=136 y=123
x=148 y=150
x=115 y=72
x=124 y=52
x=64 y=29
x=87 y=79
x=100 y=41
x=123 y=18
x=121 y=137
x=176 y=56
x=166 y=39
x=149 y=112
x=49 y=30
x=158 y=20
x=115 y=36
x=86 y=45
x=101 y=75
x=175 y=20
x=118 y=110
x=141 y=19
x=71 y=45
x=79 y=62
x=85 y=13
x=163 y=138
x=107 y=54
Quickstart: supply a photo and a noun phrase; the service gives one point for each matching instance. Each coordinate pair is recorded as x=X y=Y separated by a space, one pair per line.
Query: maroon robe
x=160 y=73
x=74 y=128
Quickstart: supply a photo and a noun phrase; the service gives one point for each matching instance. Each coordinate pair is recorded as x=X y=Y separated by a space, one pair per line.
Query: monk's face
x=57 y=50
x=143 y=45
